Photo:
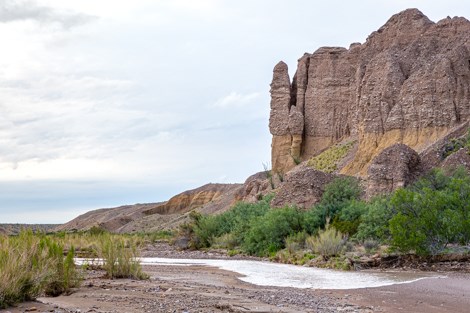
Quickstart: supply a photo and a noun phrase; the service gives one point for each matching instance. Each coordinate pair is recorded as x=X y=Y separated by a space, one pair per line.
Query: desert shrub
x=203 y=229
x=452 y=146
x=155 y=236
x=296 y=242
x=327 y=243
x=96 y=231
x=64 y=275
x=338 y=196
x=327 y=161
x=206 y=228
x=315 y=219
x=32 y=264
x=349 y=218
x=225 y=241
x=455 y=144
x=341 y=190
x=119 y=257
x=432 y=214
x=370 y=245
x=375 y=221
x=267 y=233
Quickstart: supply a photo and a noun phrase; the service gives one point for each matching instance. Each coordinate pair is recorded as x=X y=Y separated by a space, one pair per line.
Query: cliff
x=408 y=83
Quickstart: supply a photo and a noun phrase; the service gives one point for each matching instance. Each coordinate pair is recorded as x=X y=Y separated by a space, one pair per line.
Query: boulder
x=396 y=166
x=303 y=186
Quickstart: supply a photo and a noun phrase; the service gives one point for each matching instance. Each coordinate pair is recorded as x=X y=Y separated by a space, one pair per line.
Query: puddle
x=285 y=275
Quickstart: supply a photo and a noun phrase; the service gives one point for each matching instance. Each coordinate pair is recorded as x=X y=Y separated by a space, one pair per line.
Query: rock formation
x=396 y=166
x=303 y=187
x=459 y=158
x=408 y=83
x=255 y=187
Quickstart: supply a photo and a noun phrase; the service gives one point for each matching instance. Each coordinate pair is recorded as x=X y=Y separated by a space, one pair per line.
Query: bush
x=338 y=193
x=267 y=233
x=432 y=214
x=341 y=190
x=375 y=221
x=371 y=245
x=314 y=219
x=327 y=243
x=296 y=242
x=119 y=257
x=202 y=230
x=349 y=218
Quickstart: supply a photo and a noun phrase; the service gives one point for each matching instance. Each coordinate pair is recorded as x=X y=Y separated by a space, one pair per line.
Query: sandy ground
x=207 y=289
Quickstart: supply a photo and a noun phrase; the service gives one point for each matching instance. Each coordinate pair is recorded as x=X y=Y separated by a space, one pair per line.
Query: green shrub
x=455 y=144
x=341 y=190
x=296 y=241
x=432 y=214
x=203 y=229
x=315 y=219
x=327 y=243
x=375 y=221
x=266 y=234
x=339 y=196
x=349 y=218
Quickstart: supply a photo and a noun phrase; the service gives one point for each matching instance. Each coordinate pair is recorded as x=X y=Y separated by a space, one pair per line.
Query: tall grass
x=327 y=243
x=31 y=265
x=120 y=257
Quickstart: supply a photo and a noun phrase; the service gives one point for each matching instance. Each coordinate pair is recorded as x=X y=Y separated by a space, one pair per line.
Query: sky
x=105 y=103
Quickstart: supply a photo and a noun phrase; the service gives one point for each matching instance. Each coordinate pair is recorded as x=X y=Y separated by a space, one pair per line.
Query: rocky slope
x=157 y=216
x=408 y=83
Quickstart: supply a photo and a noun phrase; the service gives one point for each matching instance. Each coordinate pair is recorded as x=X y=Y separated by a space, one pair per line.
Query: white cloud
x=235 y=99
x=22 y=10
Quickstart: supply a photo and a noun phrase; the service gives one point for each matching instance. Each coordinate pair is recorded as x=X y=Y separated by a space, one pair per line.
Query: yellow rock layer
x=370 y=145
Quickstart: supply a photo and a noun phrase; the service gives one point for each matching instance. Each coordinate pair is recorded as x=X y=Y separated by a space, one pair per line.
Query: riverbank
x=208 y=289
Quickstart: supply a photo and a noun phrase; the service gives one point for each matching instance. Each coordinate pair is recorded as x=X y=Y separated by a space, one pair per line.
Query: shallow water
x=285 y=275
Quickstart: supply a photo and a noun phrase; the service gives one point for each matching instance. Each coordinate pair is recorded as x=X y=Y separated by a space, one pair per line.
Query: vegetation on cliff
x=424 y=218
x=328 y=160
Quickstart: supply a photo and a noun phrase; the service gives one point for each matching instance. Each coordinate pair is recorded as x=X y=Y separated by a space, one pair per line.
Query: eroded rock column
x=279 y=119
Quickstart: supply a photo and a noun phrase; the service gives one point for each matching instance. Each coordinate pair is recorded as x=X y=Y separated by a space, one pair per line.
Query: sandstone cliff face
x=408 y=83
x=191 y=199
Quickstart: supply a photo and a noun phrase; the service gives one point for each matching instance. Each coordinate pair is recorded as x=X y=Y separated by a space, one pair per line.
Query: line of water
x=285 y=275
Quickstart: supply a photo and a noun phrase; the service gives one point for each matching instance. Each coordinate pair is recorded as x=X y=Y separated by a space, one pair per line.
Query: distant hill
x=13 y=229
x=157 y=216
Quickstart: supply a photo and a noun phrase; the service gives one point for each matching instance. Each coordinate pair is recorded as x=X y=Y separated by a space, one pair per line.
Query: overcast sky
x=105 y=102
